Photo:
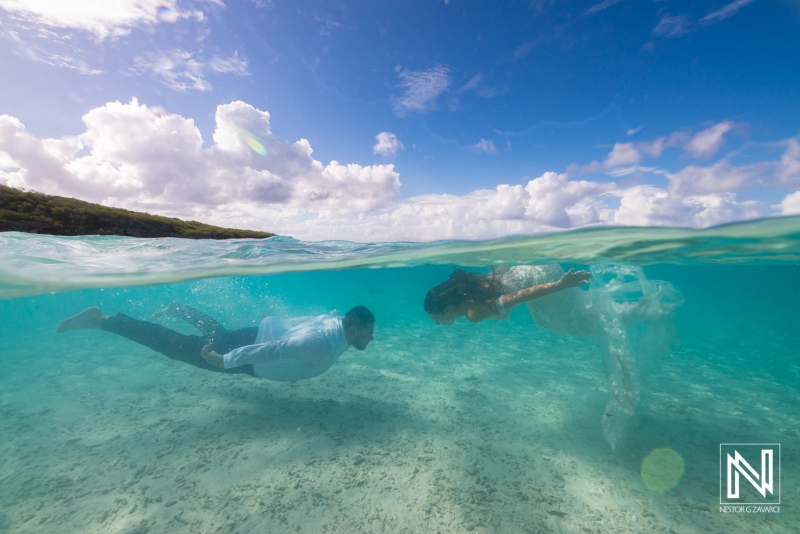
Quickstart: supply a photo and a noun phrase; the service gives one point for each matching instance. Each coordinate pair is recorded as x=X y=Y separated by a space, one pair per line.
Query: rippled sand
x=477 y=428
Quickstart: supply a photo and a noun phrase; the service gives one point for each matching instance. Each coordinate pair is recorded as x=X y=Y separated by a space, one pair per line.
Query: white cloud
x=486 y=146
x=107 y=18
x=602 y=6
x=678 y=25
x=70 y=34
x=652 y=149
x=182 y=70
x=653 y=206
x=634 y=131
x=143 y=158
x=622 y=155
x=788 y=172
x=725 y=12
x=706 y=143
x=147 y=159
x=791 y=204
x=421 y=89
x=388 y=144
x=548 y=203
x=670 y=26
x=30 y=50
x=718 y=178
x=473 y=83
x=702 y=145
x=232 y=65
x=557 y=201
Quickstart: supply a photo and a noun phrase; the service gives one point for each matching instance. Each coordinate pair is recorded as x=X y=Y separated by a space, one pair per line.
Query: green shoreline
x=37 y=213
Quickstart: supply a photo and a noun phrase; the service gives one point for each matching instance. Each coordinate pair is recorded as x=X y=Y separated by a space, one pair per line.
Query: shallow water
x=488 y=427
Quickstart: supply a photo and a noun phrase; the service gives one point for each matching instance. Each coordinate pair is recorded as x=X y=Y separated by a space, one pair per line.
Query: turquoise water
x=488 y=427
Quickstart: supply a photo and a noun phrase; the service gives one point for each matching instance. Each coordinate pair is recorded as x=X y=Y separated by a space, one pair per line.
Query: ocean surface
x=490 y=427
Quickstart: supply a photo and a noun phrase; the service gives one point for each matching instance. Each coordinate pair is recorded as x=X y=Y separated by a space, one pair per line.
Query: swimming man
x=278 y=349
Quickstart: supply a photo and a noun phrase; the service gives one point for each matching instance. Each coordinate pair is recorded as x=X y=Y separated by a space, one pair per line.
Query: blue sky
x=414 y=120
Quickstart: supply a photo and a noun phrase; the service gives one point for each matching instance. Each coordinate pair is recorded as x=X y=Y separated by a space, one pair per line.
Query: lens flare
x=662 y=469
x=251 y=140
x=168 y=14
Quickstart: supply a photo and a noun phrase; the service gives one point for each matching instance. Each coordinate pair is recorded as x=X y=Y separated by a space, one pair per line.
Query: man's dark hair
x=358 y=316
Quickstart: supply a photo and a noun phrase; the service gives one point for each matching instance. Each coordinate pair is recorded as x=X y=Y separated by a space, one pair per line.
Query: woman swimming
x=481 y=297
x=623 y=326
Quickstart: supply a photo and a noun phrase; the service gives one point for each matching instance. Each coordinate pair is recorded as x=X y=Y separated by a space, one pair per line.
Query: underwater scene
x=604 y=407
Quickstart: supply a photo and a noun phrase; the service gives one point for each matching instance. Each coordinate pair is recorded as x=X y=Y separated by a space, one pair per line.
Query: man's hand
x=212 y=357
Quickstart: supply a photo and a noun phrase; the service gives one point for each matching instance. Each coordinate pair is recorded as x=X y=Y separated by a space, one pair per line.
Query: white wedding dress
x=628 y=316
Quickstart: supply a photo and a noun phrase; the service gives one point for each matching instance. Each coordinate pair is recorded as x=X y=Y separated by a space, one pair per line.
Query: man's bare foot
x=90 y=318
x=171 y=310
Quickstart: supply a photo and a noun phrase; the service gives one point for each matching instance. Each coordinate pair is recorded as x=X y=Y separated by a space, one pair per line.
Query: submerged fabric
x=628 y=316
x=293 y=349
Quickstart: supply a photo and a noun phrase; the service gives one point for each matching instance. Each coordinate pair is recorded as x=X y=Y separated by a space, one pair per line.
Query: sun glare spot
x=251 y=140
x=662 y=469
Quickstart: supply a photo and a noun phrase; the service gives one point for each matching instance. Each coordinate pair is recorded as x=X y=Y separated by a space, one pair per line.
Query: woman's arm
x=571 y=278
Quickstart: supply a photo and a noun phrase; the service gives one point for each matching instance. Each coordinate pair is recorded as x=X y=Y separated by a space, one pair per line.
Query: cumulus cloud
x=388 y=144
x=548 y=203
x=695 y=196
x=791 y=204
x=421 y=89
x=653 y=206
x=145 y=158
x=109 y=18
x=139 y=157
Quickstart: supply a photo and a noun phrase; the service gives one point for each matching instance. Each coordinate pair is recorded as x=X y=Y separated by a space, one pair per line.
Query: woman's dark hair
x=462 y=286
x=358 y=316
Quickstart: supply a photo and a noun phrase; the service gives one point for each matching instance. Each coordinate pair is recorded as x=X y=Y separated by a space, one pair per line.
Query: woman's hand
x=573 y=278
x=212 y=357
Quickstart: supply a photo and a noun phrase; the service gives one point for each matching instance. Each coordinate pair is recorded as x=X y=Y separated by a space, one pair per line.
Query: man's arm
x=310 y=348
x=571 y=278
x=212 y=357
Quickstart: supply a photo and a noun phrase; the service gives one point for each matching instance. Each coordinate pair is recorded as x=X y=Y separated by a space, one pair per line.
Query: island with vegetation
x=37 y=213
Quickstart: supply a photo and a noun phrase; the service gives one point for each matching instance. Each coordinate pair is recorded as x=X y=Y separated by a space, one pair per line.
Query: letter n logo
x=739 y=462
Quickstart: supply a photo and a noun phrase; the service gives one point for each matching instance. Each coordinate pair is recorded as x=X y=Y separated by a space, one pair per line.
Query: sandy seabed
x=488 y=429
